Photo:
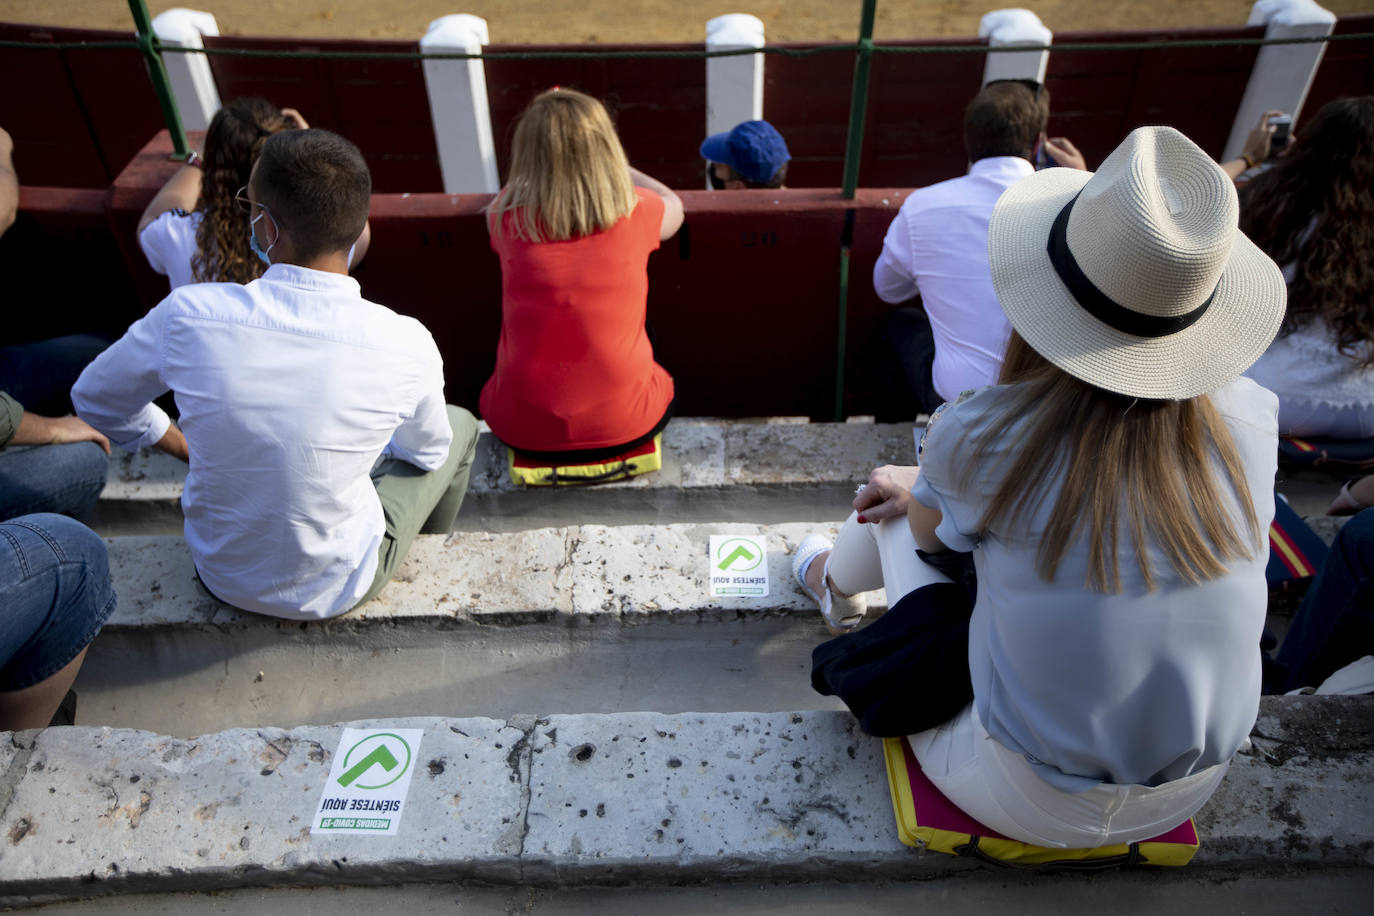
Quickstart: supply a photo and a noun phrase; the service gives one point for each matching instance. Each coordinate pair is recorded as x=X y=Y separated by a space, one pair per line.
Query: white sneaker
x=840 y=614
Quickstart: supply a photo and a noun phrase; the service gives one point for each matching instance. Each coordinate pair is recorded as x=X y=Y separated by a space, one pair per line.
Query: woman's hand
x=1256 y=148
x=294 y=116
x=887 y=493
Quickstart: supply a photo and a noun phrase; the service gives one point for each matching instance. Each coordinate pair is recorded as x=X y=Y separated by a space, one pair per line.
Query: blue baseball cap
x=754 y=149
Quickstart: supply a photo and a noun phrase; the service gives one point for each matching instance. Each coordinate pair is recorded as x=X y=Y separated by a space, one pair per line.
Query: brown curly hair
x=1315 y=209
x=232 y=145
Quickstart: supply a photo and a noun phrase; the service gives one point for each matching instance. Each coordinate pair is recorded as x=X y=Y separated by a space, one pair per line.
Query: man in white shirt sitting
x=314 y=421
x=937 y=247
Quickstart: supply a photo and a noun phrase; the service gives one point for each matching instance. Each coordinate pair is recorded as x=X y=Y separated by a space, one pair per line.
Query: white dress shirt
x=938 y=246
x=289 y=389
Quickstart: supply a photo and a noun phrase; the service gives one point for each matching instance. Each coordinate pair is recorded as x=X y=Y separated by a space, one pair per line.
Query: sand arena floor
x=572 y=21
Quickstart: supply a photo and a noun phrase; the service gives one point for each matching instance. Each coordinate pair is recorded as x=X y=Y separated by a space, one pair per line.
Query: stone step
x=773 y=470
x=629 y=798
x=778 y=469
x=603 y=618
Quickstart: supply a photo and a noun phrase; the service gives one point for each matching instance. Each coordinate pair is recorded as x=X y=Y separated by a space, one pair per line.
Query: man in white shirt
x=937 y=248
x=314 y=421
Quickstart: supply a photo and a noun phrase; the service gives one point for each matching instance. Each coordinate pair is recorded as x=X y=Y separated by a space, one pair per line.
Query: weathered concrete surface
x=525 y=576
x=641 y=796
x=590 y=799
x=99 y=809
x=708 y=465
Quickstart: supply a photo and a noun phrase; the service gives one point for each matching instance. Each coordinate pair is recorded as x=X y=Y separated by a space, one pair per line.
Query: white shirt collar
x=305 y=277
x=1002 y=165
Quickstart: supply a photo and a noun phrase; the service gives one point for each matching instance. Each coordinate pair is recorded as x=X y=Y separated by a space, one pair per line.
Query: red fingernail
x=862 y=520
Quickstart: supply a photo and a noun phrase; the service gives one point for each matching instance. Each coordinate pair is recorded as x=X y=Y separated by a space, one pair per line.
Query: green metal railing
x=863 y=50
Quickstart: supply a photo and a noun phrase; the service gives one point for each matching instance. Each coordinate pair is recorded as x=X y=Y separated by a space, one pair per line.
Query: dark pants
x=906 y=356
x=40 y=375
x=1334 y=625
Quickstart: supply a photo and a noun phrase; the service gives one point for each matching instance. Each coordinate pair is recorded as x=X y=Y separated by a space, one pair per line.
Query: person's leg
x=874 y=555
x=40 y=375
x=55 y=593
x=66 y=479
x=904 y=371
x=421 y=502
x=1334 y=624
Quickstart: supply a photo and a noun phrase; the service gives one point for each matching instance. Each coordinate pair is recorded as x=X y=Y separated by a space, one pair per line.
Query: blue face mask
x=253 y=239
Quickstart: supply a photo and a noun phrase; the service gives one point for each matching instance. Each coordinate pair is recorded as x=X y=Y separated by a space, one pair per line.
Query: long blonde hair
x=568 y=173
x=1149 y=461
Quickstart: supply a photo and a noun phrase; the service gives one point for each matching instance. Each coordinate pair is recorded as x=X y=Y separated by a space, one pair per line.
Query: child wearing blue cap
x=752 y=155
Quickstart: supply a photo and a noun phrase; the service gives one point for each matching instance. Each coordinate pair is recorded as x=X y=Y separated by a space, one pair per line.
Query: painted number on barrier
x=738 y=566
x=766 y=239
x=368 y=782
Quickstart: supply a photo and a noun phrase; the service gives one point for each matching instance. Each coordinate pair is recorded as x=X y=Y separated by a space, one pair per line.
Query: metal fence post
x=858 y=112
x=148 y=43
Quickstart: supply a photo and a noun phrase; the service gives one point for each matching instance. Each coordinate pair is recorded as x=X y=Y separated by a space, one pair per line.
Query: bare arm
x=672 y=204
x=1256 y=148
x=9 y=183
x=181 y=192
x=36 y=430
x=173 y=442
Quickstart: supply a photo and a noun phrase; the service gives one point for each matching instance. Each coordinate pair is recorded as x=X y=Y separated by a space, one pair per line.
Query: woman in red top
x=575 y=374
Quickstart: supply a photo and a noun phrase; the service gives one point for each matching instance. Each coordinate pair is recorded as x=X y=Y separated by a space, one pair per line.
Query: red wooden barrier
x=659 y=104
x=381 y=105
x=743 y=301
x=76 y=116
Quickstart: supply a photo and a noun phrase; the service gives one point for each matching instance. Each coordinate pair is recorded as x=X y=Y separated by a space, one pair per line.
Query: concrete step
x=629 y=798
x=603 y=618
x=778 y=469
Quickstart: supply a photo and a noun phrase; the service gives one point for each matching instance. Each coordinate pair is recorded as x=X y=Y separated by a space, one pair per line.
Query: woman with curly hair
x=1313 y=213
x=193 y=231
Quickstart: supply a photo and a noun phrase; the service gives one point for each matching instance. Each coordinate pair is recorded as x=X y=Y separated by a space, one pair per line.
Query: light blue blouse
x=1138 y=687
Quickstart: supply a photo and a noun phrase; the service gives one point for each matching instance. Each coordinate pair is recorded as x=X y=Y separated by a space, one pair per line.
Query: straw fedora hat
x=1135 y=278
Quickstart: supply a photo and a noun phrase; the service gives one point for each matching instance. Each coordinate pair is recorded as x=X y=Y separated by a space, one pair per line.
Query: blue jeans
x=66 y=479
x=1335 y=622
x=40 y=375
x=55 y=594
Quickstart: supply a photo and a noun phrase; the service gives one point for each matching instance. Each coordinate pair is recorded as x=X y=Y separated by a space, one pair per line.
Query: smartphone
x=1283 y=129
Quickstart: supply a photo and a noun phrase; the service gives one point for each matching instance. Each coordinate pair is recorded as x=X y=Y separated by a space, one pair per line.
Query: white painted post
x=458 y=105
x=1015 y=27
x=193 y=85
x=734 y=85
x=1282 y=73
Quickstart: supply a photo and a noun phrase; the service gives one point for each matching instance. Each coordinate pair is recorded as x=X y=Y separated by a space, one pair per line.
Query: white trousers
x=985 y=780
x=879 y=555
x=999 y=788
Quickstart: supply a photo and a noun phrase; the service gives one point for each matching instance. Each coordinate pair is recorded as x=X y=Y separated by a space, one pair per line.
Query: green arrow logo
x=738 y=554
x=743 y=553
x=380 y=755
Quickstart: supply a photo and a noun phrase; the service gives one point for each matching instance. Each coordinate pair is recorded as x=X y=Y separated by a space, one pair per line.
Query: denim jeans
x=1335 y=622
x=55 y=594
x=66 y=479
x=40 y=375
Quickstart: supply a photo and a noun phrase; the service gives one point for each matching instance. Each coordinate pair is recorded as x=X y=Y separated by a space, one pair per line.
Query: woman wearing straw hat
x=1114 y=491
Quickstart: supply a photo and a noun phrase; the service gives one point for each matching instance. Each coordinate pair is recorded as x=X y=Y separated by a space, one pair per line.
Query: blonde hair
x=568 y=173
x=1147 y=460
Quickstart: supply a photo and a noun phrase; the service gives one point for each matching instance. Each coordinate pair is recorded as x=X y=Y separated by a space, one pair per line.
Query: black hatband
x=1099 y=304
